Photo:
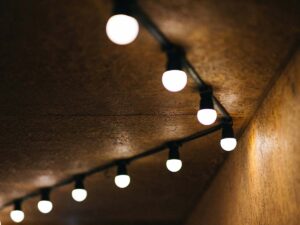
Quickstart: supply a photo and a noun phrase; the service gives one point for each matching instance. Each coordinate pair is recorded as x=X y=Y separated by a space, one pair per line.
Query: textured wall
x=260 y=181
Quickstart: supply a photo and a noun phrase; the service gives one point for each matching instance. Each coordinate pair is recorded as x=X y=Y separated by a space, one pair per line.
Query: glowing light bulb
x=174 y=80
x=79 y=194
x=17 y=216
x=122 y=29
x=206 y=116
x=122 y=180
x=228 y=141
x=45 y=206
x=228 y=144
x=174 y=165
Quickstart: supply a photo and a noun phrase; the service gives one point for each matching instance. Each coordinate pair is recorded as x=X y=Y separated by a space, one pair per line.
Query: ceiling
x=71 y=100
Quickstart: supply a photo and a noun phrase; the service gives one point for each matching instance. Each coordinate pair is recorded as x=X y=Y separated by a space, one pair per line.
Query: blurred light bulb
x=79 y=194
x=228 y=141
x=45 y=206
x=17 y=216
x=122 y=181
x=174 y=80
x=174 y=165
x=122 y=29
x=228 y=144
x=206 y=116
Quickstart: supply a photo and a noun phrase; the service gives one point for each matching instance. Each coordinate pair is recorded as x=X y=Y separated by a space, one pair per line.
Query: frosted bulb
x=174 y=80
x=122 y=181
x=45 y=206
x=17 y=216
x=228 y=144
x=174 y=165
x=207 y=116
x=122 y=29
x=79 y=194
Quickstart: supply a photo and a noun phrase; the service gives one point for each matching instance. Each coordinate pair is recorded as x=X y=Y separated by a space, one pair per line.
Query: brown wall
x=260 y=181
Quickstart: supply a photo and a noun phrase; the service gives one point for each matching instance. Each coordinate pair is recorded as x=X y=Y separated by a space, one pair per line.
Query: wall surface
x=260 y=182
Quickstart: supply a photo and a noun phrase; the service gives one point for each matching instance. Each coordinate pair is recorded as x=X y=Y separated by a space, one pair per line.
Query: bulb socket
x=17 y=205
x=174 y=59
x=122 y=7
x=45 y=194
x=121 y=170
x=174 y=151
x=206 y=101
x=227 y=131
x=79 y=183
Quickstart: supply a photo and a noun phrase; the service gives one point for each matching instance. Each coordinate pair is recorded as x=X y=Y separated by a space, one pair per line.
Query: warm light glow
x=17 y=216
x=174 y=80
x=122 y=181
x=207 y=116
x=174 y=165
x=228 y=144
x=79 y=194
x=45 y=206
x=122 y=29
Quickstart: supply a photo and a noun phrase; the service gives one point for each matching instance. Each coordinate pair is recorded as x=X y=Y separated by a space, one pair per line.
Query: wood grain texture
x=260 y=182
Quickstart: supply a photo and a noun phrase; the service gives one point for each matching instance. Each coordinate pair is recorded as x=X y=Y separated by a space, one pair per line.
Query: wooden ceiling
x=72 y=100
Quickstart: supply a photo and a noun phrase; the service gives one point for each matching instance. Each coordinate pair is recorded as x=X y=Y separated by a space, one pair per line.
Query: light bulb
x=122 y=181
x=45 y=206
x=122 y=29
x=174 y=165
x=17 y=216
x=228 y=144
x=79 y=194
x=174 y=80
x=228 y=141
x=206 y=116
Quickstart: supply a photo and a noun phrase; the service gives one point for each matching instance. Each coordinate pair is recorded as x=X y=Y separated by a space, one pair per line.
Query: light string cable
x=167 y=46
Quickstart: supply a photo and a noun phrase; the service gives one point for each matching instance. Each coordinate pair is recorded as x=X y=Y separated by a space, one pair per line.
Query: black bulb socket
x=79 y=183
x=174 y=151
x=45 y=194
x=17 y=205
x=121 y=169
x=123 y=7
x=206 y=101
x=227 y=131
x=174 y=59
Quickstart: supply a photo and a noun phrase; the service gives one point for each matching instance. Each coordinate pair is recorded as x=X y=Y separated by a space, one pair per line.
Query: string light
x=122 y=180
x=206 y=115
x=174 y=163
x=228 y=141
x=17 y=215
x=122 y=28
x=79 y=194
x=174 y=79
x=45 y=205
